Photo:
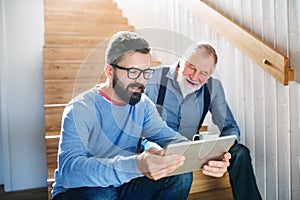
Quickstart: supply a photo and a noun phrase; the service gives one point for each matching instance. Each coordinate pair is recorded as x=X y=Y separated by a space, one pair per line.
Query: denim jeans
x=173 y=187
x=241 y=174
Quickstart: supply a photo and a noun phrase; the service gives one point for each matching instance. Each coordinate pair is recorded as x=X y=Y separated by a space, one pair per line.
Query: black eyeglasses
x=134 y=73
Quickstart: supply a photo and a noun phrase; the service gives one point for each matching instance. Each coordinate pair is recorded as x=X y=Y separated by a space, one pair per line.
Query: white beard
x=185 y=87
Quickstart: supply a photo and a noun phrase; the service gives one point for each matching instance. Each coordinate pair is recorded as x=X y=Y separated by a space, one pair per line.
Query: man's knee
x=93 y=193
x=183 y=181
x=240 y=152
x=187 y=178
x=176 y=187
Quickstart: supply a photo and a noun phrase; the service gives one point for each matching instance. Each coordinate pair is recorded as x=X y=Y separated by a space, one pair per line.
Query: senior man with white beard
x=184 y=93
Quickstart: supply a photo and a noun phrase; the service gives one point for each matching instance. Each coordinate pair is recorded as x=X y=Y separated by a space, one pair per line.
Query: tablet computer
x=197 y=153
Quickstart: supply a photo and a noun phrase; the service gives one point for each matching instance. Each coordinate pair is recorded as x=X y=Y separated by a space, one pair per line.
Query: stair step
x=74 y=54
x=103 y=29
x=57 y=39
x=89 y=29
x=82 y=18
x=71 y=71
x=61 y=92
x=79 y=4
x=82 y=12
x=51 y=152
x=53 y=116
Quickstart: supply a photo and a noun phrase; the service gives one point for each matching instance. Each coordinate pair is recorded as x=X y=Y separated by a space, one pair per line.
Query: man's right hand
x=154 y=165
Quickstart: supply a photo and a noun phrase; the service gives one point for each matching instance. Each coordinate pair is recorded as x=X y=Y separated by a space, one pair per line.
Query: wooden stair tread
x=61 y=40
x=71 y=71
x=69 y=11
x=81 y=18
x=77 y=3
x=64 y=27
x=75 y=53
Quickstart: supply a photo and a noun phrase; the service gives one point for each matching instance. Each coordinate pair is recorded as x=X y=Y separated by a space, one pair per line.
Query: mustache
x=137 y=85
x=191 y=81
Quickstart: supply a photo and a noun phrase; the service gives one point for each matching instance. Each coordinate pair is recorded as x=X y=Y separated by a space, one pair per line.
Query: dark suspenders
x=206 y=98
x=162 y=93
x=162 y=90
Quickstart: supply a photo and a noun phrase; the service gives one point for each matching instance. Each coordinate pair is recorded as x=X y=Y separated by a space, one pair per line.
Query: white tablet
x=198 y=153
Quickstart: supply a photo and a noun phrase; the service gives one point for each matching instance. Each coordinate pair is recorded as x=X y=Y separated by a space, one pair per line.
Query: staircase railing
x=270 y=59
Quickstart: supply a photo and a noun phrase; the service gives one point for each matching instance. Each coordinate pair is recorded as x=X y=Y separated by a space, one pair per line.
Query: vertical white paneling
x=228 y=58
x=240 y=116
x=294 y=55
x=230 y=69
x=237 y=11
x=271 y=108
x=294 y=36
x=246 y=14
x=259 y=104
x=248 y=75
x=239 y=69
x=283 y=125
x=295 y=138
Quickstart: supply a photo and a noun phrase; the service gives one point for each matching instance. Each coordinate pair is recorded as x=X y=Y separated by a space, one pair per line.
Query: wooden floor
x=35 y=194
x=41 y=194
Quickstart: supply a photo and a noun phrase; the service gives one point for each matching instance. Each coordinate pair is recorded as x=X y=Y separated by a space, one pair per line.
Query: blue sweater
x=99 y=140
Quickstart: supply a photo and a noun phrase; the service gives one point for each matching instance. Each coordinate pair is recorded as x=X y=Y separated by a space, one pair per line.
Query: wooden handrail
x=270 y=59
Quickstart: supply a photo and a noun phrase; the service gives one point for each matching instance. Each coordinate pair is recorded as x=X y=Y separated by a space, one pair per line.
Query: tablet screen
x=197 y=153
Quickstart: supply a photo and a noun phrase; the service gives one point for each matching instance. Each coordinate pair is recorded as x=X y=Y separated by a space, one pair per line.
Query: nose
x=141 y=79
x=196 y=76
x=201 y=79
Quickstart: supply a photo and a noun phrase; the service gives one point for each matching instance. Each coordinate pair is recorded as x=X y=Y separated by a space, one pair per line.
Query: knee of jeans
x=186 y=179
x=240 y=152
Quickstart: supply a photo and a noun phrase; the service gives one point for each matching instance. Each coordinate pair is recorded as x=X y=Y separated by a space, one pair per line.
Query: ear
x=109 y=71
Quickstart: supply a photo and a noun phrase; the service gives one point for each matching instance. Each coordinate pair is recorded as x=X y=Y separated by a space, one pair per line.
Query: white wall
x=1 y=64
x=23 y=165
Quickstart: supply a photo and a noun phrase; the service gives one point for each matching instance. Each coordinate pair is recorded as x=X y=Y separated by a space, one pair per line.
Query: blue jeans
x=241 y=174
x=173 y=187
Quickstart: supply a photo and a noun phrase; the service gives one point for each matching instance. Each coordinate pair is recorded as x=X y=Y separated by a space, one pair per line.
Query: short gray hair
x=124 y=42
x=209 y=50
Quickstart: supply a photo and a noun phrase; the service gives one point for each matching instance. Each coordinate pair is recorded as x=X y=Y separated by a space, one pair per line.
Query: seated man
x=184 y=93
x=101 y=128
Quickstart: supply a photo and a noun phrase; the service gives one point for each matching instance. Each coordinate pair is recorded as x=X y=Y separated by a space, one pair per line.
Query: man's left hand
x=217 y=168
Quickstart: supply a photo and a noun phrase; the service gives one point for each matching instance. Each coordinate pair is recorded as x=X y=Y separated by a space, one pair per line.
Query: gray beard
x=184 y=87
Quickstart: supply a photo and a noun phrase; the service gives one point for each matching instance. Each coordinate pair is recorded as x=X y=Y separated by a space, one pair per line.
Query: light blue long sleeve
x=99 y=141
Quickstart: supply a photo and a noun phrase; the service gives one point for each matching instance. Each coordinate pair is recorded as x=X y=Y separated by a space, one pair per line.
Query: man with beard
x=184 y=93
x=101 y=129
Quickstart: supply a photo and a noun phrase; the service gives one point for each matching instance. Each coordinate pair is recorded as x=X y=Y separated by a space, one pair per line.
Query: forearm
x=81 y=171
x=85 y=160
